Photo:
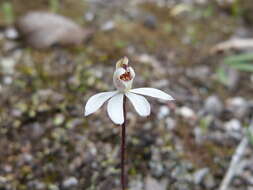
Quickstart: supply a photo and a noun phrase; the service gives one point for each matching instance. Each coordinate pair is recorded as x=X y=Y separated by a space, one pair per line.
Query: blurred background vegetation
x=177 y=46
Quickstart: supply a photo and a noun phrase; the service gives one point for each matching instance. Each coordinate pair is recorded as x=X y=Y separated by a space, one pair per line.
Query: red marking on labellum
x=126 y=76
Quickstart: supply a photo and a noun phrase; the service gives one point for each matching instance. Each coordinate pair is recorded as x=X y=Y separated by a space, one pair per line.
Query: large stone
x=42 y=30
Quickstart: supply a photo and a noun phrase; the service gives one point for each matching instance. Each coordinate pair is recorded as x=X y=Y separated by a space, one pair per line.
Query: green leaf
x=249 y=135
x=8 y=12
x=242 y=62
x=243 y=67
x=54 y=5
x=246 y=57
x=222 y=75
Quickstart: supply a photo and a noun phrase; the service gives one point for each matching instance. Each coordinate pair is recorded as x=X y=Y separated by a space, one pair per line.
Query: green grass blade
x=243 y=66
x=8 y=12
x=246 y=57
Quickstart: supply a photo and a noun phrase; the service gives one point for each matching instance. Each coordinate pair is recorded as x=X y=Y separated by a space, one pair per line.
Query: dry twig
x=235 y=160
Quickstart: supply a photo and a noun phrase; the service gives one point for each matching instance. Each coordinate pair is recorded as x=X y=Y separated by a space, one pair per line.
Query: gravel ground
x=45 y=141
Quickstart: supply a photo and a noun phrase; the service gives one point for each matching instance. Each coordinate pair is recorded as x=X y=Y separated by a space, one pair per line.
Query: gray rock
x=36 y=130
x=150 y=21
x=213 y=106
x=43 y=29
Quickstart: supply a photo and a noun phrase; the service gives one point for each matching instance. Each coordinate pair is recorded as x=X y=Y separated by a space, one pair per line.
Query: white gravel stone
x=109 y=25
x=170 y=123
x=233 y=125
x=7 y=65
x=186 y=112
x=70 y=182
x=163 y=112
x=238 y=106
x=11 y=33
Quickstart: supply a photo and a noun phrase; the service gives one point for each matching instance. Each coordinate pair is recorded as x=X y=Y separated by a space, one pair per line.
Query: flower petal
x=140 y=104
x=96 y=101
x=153 y=93
x=115 y=109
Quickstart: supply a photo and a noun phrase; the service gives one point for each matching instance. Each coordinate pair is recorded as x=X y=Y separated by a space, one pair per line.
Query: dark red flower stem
x=123 y=146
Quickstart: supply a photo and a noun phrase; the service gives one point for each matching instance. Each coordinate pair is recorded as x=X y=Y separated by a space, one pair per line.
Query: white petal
x=153 y=93
x=96 y=101
x=140 y=104
x=115 y=109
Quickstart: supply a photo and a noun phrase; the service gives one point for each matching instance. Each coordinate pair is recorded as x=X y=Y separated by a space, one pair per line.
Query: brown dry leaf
x=233 y=44
x=42 y=30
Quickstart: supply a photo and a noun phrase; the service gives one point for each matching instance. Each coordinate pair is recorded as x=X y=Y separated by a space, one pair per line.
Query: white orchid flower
x=123 y=78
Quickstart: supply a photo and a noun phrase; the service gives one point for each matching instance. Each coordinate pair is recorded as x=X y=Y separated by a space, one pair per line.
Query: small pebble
x=109 y=25
x=70 y=182
x=233 y=125
x=170 y=123
x=3 y=180
x=157 y=168
x=11 y=33
x=238 y=106
x=27 y=158
x=163 y=112
x=89 y=16
x=7 y=65
x=150 y=21
x=213 y=106
x=186 y=112
x=7 y=80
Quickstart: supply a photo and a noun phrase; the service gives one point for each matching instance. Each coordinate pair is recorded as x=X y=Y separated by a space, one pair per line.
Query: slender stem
x=123 y=146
